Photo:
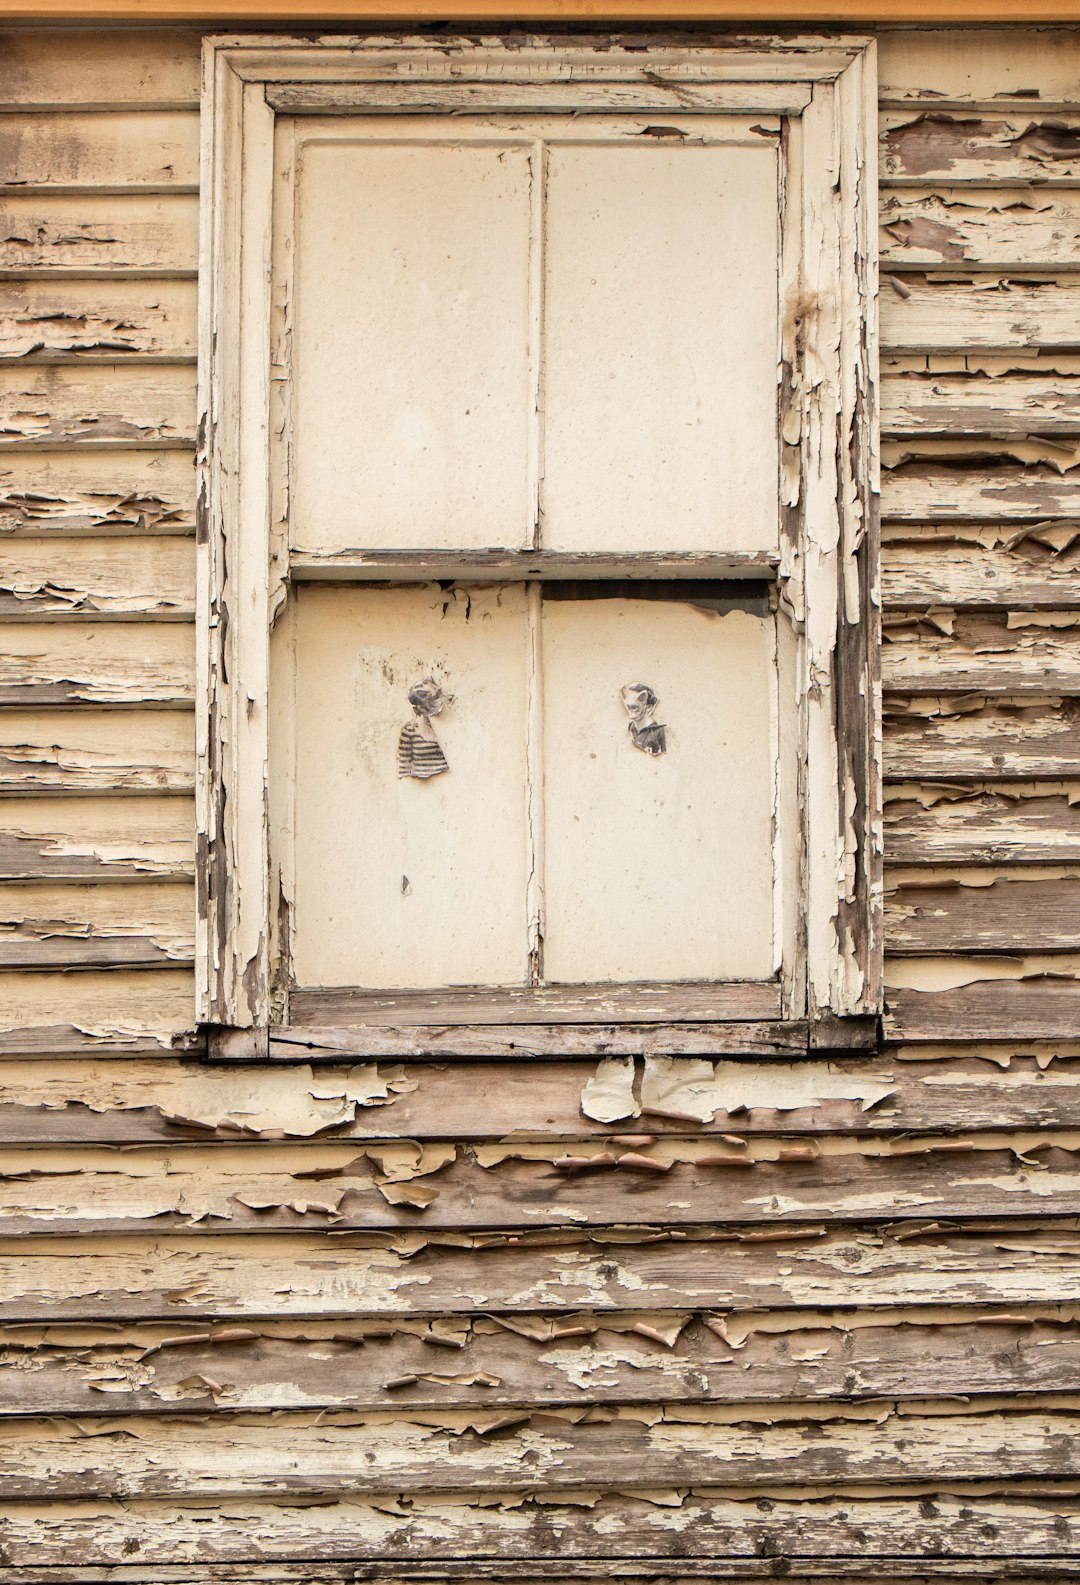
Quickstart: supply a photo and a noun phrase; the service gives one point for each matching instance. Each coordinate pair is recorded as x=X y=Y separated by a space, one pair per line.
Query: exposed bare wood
x=95 y=752
x=98 y=663
x=984 y=1526
x=81 y=235
x=1022 y=577
x=58 y=926
x=483 y=1363
x=1018 y=653
x=50 y=405
x=1036 y=1007
x=672 y=1184
x=110 y=152
x=523 y=1042
x=971 y=740
x=102 y=320
x=44 y=1014
x=991 y=914
x=191 y=1279
x=129 y=578
x=80 y=69
x=299 y=1453
x=968 y=403
x=928 y=315
x=924 y=146
x=497 y=566
x=682 y=1003
x=91 y=839
x=983 y=826
x=123 y=1102
x=998 y=228
x=653 y=95
x=92 y=493
x=988 y=490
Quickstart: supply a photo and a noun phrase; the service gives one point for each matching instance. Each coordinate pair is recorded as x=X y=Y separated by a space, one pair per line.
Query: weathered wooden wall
x=279 y=1323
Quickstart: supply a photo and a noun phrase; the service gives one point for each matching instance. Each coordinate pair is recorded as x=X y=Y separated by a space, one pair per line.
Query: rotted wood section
x=681 y=1308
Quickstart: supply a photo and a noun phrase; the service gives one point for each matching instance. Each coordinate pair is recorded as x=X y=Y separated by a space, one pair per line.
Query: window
x=539 y=612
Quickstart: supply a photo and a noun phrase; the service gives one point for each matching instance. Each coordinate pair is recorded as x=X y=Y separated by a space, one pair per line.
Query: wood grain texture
x=1004 y=914
x=84 y=235
x=951 y=147
x=95 y=751
x=1016 y=654
x=490 y=1363
x=926 y=315
x=991 y=489
x=142 y=665
x=95 y=493
x=971 y=740
x=1036 y=1007
x=999 y=228
x=916 y=575
x=53 y=405
x=92 y=926
x=983 y=826
x=114 y=151
x=122 y=578
x=90 y=839
x=968 y=403
x=103 y=320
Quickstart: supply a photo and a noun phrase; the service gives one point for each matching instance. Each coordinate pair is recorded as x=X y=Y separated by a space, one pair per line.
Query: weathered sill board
x=124 y=1102
x=191 y=1279
x=103 y=320
x=110 y=152
x=991 y=742
x=53 y=926
x=136 y=664
x=574 y=1359
x=535 y=1571
x=984 y=654
x=79 y=69
x=79 y=235
x=56 y=404
x=944 y=316
x=127 y=578
x=925 y=491
x=296 y=1453
x=844 y=1530
x=261 y=1187
x=983 y=827
x=925 y=65
x=995 y=229
x=914 y=576
x=1035 y=1008
x=140 y=1011
x=96 y=751
x=94 y=493
x=745 y=1001
x=971 y=403
x=989 y=915
x=949 y=147
x=94 y=839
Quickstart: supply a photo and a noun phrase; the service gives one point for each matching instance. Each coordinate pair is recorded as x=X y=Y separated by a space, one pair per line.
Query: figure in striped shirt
x=419 y=752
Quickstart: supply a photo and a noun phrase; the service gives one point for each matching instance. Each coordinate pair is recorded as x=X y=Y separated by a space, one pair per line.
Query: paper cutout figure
x=419 y=752
x=645 y=733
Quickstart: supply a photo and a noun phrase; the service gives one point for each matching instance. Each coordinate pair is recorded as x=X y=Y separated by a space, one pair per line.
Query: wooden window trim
x=828 y=563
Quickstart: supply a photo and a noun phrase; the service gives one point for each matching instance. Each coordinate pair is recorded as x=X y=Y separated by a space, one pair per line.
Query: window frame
x=827 y=573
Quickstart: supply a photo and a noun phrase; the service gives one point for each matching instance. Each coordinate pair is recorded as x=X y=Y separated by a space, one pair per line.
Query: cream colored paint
x=411 y=358
x=402 y=882
x=660 y=347
x=658 y=867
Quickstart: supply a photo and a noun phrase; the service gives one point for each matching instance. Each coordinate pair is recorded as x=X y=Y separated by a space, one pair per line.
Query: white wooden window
x=538 y=582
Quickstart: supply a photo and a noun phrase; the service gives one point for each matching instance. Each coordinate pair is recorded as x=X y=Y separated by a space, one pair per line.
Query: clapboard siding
x=282 y=1319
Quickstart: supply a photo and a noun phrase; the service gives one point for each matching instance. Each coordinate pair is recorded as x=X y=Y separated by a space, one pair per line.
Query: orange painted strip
x=756 y=12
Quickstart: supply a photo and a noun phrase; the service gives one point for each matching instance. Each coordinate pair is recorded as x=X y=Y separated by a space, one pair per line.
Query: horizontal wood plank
x=970 y=403
x=96 y=839
x=928 y=491
x=65 y=925
x=190 y=1279
x=748 y=1001
x=1001 y=228
x=1034 y=1527
x=934 y=63
x=102 y=320
x=482 y=1362
x=1037 y=1007
x=52 y=405
x=126 y=578
x=79 y=69
x=986 y=654
x=121 y=1101
x=522 y=1043
x=948 y=573
x=102 y=663
x=927 y=315
x=1004 y=915
x=47 y=1014
x=298 y=1453
x=92 y=493
x=109 y=152
x=96 y=751
x=950 y=147
x=673 y=1184
x=68 y=234
x=983 y=826
x=986 y=743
